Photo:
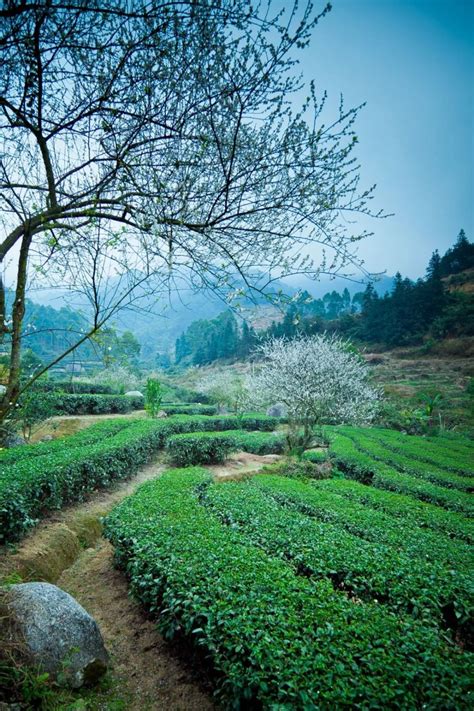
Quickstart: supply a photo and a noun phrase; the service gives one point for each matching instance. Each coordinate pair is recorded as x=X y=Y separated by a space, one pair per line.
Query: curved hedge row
x=368 y=570
x=66 y=404
x=46 y=476
x=275 y=639
x=363 y=467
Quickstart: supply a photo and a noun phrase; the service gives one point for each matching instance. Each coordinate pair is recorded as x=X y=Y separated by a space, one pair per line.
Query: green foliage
x=365 y=569
x=45 y=476
x=77 y=387
x=361 y=465
x=34 y=408
x=200 y=448
x=153 y=397
x=300 y=468
x=68 y=404
x=189 y=409
x=276 y=639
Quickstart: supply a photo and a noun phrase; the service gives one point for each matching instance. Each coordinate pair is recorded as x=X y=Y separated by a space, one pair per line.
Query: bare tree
x=140 y=138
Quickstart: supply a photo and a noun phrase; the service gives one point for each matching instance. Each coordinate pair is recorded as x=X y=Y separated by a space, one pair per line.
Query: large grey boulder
x=56 y=633
x=134 y=393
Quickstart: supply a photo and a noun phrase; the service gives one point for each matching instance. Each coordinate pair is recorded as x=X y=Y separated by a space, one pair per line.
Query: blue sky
x=412 y=62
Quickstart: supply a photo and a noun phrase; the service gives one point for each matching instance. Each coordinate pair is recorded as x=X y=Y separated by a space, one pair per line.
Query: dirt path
x=63 y=425
x=68 y=550
x=147 y=676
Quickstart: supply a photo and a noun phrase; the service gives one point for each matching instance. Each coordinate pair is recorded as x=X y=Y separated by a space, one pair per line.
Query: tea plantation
x=349 y=592
x=297 y=592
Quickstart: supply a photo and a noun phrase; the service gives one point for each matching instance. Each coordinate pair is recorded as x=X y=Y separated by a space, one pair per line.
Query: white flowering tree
x=227 y=389
x=320 y=379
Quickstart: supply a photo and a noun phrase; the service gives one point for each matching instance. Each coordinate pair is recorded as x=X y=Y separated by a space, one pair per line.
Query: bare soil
x=149 y=674
x=63 y=425
x=240 y=464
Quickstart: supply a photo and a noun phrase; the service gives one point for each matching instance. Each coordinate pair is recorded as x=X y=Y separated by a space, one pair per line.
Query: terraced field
x=354 y=591
x=349 y=592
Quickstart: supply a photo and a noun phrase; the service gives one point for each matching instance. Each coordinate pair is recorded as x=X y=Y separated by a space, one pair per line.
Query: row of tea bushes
x=406 y=509
x=67 y=404
x=328 y=505
x=367 y=570
x=36 y=485
x=363 y=467
x=214 y=447
x=189 y=409
x=89 y=435
x=401 y=459
x=276 y=640
x=444 y=454
x=77 y=387
x=49 y=475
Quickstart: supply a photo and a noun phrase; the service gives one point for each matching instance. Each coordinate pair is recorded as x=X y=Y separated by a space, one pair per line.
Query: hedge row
x=89 y=435
x=441 y=453
x=64 y=404
x=78 y=387
x=367 y=523
x=213 y=447
x=405 y=508
x=364 y=468
x=50 y=475
x=276 y=640
x=189 y=409
x=367 y=570
x=369 y=443
x=37 y=485
x=200 y=448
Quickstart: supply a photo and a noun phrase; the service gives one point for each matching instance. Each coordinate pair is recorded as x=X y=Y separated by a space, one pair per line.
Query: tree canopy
x=142 y=139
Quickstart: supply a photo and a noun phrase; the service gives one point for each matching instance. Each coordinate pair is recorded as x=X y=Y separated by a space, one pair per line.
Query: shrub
x=299 y=469
x=77 y=387
x=65 y=404
x=200 y=448
x=276 y=640
x=153 y=396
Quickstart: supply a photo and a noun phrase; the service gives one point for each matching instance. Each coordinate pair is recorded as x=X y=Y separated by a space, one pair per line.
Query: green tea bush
x=276 y=640
x=190 y=409
x=363 y=467
x=366 y=569
x=298 y=469
x=90 y=435
x=330 y=506
x=36 y=485
x=66 y=404
x=200 y=448
x=405 y=509
x=401 y=458
x=76 y=387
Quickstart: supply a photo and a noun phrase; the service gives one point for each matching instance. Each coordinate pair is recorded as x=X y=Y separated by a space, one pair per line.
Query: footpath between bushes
x=67 y=549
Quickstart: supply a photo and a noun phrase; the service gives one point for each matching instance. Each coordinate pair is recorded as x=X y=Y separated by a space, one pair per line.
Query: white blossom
x=320 y=380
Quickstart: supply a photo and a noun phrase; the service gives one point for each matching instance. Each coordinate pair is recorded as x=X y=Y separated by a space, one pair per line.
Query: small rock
x=11 y=439
x=59 y=635
x=162 y=413
x=47 y=438
x=277 y=410
x=134 y=393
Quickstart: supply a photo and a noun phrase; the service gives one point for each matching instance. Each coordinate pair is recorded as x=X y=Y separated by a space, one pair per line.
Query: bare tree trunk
x=10 y=397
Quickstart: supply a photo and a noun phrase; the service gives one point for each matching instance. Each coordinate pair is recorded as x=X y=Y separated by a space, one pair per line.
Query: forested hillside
x=413 y=313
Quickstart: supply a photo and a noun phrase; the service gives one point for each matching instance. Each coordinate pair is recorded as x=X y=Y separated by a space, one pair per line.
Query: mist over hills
x=158 y=323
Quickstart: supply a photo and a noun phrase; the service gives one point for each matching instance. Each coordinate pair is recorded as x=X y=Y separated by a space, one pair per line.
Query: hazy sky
x=412 y=62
